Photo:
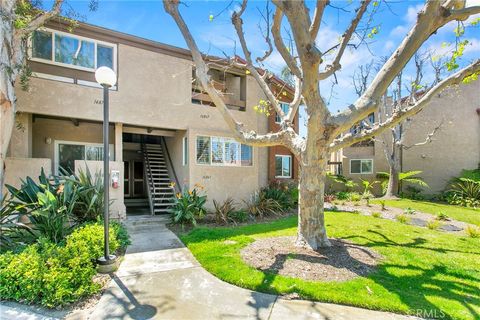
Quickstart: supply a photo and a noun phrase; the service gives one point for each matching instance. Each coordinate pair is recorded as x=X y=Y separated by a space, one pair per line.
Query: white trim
x=67 y=65
x=94 y=84
x=52 y=77
x=290 y=169
x=58 y=142
x=185 y=151
x=367 y=159
x=221 y=164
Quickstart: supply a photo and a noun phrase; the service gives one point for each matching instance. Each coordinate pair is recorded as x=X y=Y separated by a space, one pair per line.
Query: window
x=283 y=166
x=67 y=152
x=72 y=51
x=223 y=151
x=185 y=151
x=203 y=150
x=284 y=107
x=361 y=166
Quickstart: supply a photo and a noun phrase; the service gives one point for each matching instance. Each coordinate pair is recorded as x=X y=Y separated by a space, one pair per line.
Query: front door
x=134 y=182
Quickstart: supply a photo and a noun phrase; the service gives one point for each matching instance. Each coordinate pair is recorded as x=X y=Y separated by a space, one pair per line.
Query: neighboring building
x=163 y=128
x=455 y=146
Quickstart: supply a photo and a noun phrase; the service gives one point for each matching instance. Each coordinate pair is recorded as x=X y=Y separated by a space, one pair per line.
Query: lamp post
x=107 y=78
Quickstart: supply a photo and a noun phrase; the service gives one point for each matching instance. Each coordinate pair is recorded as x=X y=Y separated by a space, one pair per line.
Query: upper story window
x=223 y=151
x=285 y=107
x=60 y=48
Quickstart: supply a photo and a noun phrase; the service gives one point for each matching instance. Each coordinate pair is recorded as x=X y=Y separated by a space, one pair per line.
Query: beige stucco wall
x=455 y=146
x=154 y=91
x=175 y=149
x=63 y=130
x=117 y=207
x=21 y=140
x=20 y=168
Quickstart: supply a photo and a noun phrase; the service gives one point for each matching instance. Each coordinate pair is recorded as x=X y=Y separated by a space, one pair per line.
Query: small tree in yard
x=323 y=128
x=393 y=142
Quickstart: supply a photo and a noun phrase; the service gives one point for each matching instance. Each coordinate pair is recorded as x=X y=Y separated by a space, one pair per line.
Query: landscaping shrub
x=348 y=183
x=376 y=214
x=54 y=275
x=464 y=192
x=188 y=206
x=239 y=215
x=259 y=205
x=409 y=210
x=11 y=231
x=343 y=195
x=355 y=197
x=473 y=232
x=433 y=224
x=224 y=210
x=471 y=174
x=89 y=206
x=410 y=177
x=402 y=218
x=442 y=216
x=412 y=193
x=48 y=205
x=330 y=198
x=282 y=196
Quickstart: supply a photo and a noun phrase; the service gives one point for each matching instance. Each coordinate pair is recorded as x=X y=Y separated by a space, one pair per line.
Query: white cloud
x=410 y=18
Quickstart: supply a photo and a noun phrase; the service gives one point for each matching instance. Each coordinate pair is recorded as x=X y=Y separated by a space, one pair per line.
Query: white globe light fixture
x=106 y=76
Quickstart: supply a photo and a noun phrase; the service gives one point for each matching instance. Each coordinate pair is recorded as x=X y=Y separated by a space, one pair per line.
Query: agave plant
x=408 y=176
x=89 y=205
x=11 y=229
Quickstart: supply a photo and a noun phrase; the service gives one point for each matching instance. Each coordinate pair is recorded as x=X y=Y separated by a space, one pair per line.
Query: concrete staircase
x=160 y=192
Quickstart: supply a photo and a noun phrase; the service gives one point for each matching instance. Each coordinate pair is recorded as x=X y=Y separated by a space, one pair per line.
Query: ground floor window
x=223 y=151
x=66 y=152
x=283 y=166
x=361 y=166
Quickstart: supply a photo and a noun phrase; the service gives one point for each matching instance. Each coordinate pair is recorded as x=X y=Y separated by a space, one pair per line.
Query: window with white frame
x=56 y=47
x=223 y=151
x=66 y=152
x=284 y=107
x=185 y=151
x=361 y=166
x=283 y=166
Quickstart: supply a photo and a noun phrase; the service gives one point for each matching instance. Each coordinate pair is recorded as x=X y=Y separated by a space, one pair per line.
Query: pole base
x=107 y=265
x=103 y=261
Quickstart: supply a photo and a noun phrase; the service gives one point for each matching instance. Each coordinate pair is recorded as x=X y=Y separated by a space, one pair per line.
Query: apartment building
x=163 y=127
x=454 y=146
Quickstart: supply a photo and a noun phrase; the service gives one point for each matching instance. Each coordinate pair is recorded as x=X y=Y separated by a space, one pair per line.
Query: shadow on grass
x=432 y=291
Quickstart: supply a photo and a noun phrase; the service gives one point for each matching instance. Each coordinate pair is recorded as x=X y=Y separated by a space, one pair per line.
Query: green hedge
x=54 y=275
x=471 y=174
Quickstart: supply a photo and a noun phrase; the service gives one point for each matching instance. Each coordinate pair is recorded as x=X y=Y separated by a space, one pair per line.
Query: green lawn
x=468 y=215
x=421 y=269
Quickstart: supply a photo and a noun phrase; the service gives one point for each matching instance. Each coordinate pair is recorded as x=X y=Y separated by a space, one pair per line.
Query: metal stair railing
x=148 y=176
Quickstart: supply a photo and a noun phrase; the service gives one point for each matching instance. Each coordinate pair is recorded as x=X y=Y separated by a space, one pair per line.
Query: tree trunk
x=393 y=180
x=8 y=72
x=311 y=219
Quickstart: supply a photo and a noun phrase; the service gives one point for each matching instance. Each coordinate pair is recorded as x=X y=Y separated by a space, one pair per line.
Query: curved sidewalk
x=160 y=279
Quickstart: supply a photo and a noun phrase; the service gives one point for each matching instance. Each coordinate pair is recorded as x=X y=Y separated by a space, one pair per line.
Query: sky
x=216 y=36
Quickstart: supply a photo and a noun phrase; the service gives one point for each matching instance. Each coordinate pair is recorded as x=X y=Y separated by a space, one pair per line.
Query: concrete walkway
x=160 y=279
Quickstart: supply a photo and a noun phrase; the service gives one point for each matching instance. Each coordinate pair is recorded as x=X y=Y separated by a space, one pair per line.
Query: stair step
x=163 y=204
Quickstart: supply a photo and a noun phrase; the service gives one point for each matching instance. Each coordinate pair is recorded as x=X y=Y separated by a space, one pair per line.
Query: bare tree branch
x=317 y=18
x=238 y=24
x=347 y=35
x=286 y=137
x=266 y=17
x=432 y=17
x=280 y=45
x=402 y=114
x=428 y=139
x=297 y=99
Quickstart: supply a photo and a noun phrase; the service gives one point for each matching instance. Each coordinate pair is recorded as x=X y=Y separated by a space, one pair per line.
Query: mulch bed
x=341 y=262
